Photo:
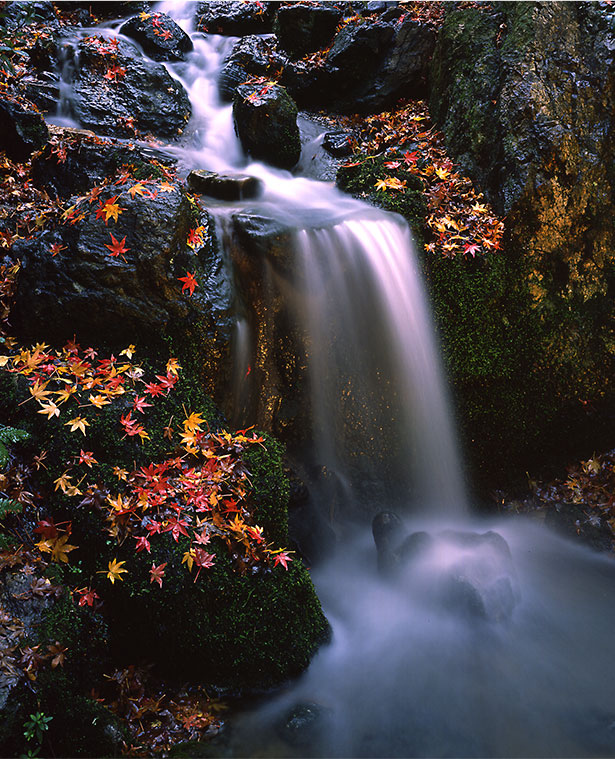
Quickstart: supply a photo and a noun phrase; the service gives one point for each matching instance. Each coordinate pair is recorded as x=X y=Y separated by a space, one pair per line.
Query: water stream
x=471 y=646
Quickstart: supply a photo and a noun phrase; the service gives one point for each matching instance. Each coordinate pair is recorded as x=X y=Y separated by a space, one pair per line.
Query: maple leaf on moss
x=78 y=423
x=50 y=409
x=189 y=282
x=156 y=573
x=282 y=558
x=115 y=571
x=58 y=547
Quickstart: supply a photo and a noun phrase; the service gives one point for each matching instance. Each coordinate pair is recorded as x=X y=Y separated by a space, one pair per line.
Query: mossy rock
x=360 y=181
x=79 y=725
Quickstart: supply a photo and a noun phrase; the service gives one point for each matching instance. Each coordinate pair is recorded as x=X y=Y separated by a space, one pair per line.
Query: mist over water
x=472 y=646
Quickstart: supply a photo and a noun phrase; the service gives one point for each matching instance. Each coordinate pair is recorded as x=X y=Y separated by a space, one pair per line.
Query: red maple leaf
x=117 y=248
x=189 y=282
x=282 y=558
x=156 y=573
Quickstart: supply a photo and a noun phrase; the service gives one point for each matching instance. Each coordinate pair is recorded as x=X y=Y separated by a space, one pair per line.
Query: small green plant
x=9 y=436
x=34 y=729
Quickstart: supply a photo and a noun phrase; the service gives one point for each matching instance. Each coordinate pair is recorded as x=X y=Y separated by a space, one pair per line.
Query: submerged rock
x=467 y=573
x=159 y=36
x=305 y=724
x=225 y=186
x=266 y=123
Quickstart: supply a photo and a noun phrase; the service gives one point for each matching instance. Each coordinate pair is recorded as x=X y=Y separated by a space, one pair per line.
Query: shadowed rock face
x=141 y=90
x=525 y=96
x=266 y=122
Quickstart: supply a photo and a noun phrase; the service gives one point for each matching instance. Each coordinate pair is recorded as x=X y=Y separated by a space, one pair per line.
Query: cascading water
x=469 y=643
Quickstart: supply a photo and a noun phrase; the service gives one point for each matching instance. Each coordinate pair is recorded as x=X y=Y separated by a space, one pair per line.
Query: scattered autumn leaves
x=460 y=220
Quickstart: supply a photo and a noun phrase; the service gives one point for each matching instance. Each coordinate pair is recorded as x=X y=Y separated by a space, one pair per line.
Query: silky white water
x=411 y=669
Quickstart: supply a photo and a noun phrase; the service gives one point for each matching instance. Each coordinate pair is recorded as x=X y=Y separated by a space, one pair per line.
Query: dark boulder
x=110 y=91
x=159 y=36
x=43 y=90
x=223 y=186
x=236 y=18
x=357 y=51
x=22 y=131
x=311 y=86
x=339 y=144
x=377 y=63
x=404 y=69
x=253 y=55
x=101 y=296
x=266 y=123
x=303 y=28
x=85 y=161
x=525 y=95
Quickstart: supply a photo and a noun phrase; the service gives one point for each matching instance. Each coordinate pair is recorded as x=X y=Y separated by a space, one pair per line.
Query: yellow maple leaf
x=136 y=189
x=173 y=367
x=193 y=422
x=98 y=400
x=111 y=209
x=78 y=423
x=50 y=409
x=116 y=568
x=188 y=559
x=442 y=173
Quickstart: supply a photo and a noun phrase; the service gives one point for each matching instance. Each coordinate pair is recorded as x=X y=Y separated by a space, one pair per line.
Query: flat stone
x=225 y=186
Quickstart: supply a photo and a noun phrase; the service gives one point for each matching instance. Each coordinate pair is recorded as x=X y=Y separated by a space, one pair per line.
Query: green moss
x=237 y=631
x=490 y=347
x=360 y=182
x=79 y=726
x=270 y=488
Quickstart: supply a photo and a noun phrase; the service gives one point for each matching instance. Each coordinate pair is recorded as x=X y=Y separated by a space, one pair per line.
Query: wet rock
x=236 y=18
x=261 y=237
x=308 y=528
x=85 y=290
x=159 y=36
x=470 y=574
x=387 y=530
x=339 y=144
x=42 y=90
x=253 y=55
x=266 y=123
x=22 y=131
x=357 y=52
x=524 y=94
x=88 y=160
x=311 y=87
x=303 y=28
x=223 y=186
x=105 y=95
x=305 y=724
x=377 y=6
x=404 y=69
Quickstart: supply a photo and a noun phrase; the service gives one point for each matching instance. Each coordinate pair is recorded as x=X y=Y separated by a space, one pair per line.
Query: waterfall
x=493 y=638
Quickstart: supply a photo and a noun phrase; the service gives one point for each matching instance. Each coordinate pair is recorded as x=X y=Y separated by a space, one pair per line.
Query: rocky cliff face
x=524 y=93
